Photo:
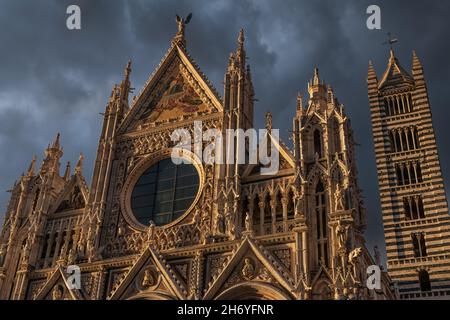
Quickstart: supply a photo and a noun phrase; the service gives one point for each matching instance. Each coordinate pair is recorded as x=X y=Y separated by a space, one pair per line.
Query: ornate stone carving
x=248 y=270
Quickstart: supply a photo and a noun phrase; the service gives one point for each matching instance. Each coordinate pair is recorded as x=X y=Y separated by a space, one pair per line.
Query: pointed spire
x=371 y=74
x=240 y=54
x=417 y=65
x=128 y=70
x=67 y=172
x=299 y=102
x=56 y=144
x=417 y=70
x=391 y=56
x=32 y=166
x=241 y=38
x=79 y=166
x=316 y=79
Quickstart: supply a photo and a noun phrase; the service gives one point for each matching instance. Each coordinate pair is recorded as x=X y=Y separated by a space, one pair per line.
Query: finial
x=31 y=167
x=67 y=172
x=391 y=41
x=316 y=79
x=299 y=102
x=128 y=69
x=79 y=166
x=391 y=55
x=241 y=37
x=269 y=121
x=56 y=143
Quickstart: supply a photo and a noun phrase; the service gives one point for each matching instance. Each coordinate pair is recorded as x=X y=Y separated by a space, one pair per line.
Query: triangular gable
x=275 y=270
x=74 y=195
x=149 y=258
x=284 y=151
x=175 y=90
x=286 y=159
x=57 y=288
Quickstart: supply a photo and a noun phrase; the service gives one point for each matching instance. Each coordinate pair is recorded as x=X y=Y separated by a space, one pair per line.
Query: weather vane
x=391 y=41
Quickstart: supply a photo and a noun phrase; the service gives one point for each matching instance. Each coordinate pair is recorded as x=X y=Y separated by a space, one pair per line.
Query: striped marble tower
x=413 y=201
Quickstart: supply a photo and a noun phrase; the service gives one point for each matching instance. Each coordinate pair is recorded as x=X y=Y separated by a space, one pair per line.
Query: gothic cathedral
x=147 y=228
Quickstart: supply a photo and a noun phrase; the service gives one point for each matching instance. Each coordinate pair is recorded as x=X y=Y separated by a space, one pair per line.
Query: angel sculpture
x=182 y=22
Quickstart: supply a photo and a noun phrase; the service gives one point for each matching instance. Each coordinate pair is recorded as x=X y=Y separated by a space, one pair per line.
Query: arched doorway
x=253 y=291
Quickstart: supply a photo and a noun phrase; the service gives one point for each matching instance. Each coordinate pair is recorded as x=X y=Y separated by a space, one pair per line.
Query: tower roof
x=395 y=74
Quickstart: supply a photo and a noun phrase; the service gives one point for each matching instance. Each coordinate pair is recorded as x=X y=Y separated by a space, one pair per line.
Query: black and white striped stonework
x=413 y=200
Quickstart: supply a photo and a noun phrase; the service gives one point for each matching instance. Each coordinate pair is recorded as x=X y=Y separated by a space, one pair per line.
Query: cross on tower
x=391 y=41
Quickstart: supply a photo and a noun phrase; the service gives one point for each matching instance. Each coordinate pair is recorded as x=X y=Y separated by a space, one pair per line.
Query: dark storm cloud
x=53 y=79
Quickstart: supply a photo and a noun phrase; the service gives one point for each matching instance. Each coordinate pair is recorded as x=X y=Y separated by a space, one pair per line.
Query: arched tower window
x=290 y=205
x=424 y=280
x=267 y=210
x=336 y=136
x=321 y=224
x=279 y=207
x=419 y=245
x=256 y=211
x=318 y=143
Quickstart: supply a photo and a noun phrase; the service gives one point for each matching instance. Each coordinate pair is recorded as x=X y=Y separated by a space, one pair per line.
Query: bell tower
x=413 y=199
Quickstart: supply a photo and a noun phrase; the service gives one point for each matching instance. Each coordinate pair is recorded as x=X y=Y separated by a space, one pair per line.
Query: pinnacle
x=79 y=166
x=241 y=37
x=128 y=69
x=56 y=143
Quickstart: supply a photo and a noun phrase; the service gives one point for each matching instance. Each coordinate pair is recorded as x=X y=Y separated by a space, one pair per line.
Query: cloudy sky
x=55 y=80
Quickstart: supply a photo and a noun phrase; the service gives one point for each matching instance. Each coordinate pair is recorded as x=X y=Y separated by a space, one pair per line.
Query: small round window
x=164 y=192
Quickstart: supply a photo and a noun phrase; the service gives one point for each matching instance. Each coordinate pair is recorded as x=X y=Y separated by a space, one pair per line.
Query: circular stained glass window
x=164 y=192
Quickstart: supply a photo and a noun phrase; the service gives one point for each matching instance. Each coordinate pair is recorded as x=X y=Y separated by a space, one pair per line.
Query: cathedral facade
x=413 y=199
x=149 y=229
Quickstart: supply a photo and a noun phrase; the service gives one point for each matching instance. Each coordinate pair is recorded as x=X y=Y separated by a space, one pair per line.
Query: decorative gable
x=57 y=288
x=151 y=278
x=250 y=264
x=177 y=91
x=73 y=196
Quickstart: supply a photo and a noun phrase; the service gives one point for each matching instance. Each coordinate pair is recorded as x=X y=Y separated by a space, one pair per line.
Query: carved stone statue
x=248 y=270
x=220 y=223
x=148 y=280
x=229 y=224
x=151 y=231
x=248 y=222
x=71 y=258
x=339 y=198
x=57 y=293
x=354 y=255
x=197 y=216
x=181 y=26
x=342 y=235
